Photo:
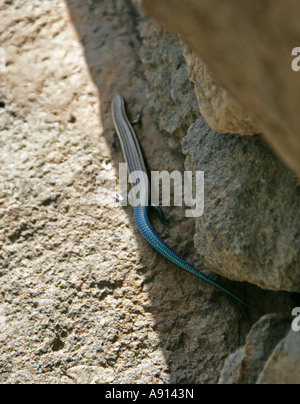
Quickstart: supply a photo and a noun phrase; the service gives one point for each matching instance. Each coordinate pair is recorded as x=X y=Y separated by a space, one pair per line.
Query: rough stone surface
x=170 y=94
x=260 y=234
x=283 y=366
x=248 y=47
x=246 y=364
x=83 y=298
x=221 y=110
x=250 y=227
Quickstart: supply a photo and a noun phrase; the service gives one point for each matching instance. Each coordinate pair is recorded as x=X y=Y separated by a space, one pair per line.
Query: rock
x=283 y=366
x=83 y=298
x=170 y=95
x=83 y=374
x=248 y=48
x=221 y=110
x=250 y=227
x=246 y=364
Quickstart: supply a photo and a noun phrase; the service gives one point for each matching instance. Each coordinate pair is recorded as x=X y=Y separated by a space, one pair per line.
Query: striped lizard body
x=135 y=160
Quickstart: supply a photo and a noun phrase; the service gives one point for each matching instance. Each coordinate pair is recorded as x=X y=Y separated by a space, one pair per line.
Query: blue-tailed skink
x=135 y=160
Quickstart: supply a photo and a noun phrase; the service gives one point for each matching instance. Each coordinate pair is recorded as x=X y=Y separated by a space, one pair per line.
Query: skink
x=135 y=160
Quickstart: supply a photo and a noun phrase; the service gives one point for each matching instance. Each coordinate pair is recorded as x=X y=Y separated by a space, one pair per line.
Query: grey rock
x=283 y=366
x=83 y=298
x=245 y=365
x=171 y=97
x=250 y=227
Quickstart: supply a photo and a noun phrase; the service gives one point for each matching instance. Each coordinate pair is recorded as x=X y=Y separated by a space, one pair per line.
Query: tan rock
x=221 y=110
x=248 y=47
x=84 y=299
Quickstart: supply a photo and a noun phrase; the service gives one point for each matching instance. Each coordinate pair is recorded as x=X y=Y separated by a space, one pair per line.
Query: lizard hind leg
x=166 y=220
